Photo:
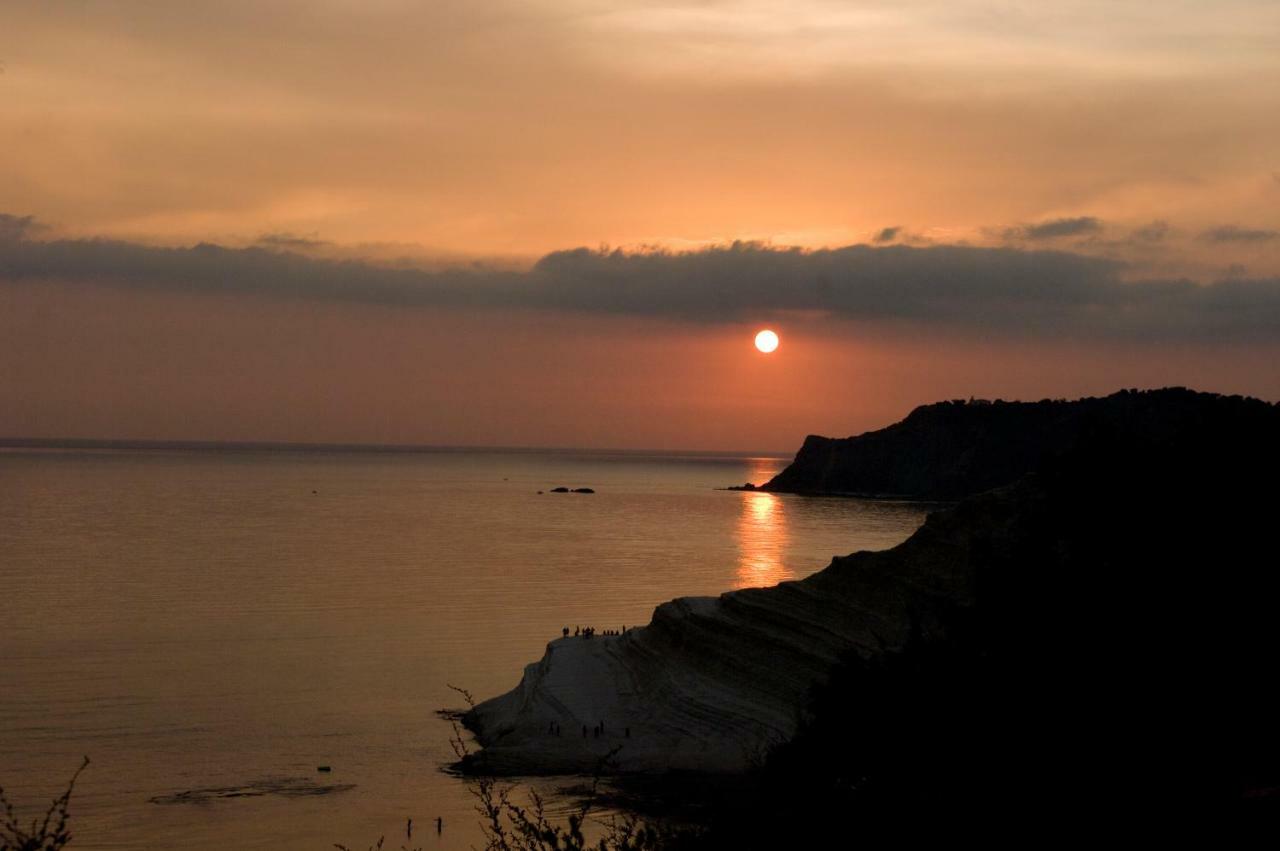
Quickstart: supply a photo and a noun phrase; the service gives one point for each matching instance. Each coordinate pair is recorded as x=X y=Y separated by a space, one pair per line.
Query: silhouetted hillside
x=1112 y=659
x=949 y=450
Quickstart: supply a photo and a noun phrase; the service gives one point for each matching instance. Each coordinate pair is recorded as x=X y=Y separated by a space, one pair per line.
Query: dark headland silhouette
x=1100 y=628
x=949 y=450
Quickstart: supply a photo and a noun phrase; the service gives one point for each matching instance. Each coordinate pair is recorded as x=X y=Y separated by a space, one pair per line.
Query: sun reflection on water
x=762 y=540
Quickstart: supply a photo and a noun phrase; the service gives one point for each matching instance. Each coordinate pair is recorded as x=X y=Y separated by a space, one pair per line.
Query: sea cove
x=206 y=620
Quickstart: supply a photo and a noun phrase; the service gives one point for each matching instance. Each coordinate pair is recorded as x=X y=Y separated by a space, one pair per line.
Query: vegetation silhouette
x=512 y=826
x=48 y=834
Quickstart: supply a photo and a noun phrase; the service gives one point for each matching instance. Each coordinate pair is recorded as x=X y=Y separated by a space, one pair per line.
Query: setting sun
x=766 y=341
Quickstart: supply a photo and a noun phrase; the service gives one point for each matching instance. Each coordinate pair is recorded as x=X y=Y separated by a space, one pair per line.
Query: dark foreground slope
x=1114 y=661
x=1103 y=630
x=949 y=450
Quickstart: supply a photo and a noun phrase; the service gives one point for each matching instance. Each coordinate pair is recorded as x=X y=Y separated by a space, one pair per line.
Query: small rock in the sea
x=324 y=768
x=559 y=490
x=584 y=490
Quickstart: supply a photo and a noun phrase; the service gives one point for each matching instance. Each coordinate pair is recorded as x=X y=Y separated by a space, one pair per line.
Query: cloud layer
x=1235 y=233
x=15 y=227
x=515 y=128
x=995 y=290
x=1057 y=228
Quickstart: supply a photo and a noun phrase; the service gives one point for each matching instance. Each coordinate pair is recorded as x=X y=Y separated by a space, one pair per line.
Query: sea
x=212 y=626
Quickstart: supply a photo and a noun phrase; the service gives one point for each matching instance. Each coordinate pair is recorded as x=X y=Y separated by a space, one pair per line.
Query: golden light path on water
x=761 y=533
x=762 y=540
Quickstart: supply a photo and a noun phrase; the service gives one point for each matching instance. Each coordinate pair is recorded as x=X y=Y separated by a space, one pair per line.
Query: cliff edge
x=1123 y=582
x=712 y=682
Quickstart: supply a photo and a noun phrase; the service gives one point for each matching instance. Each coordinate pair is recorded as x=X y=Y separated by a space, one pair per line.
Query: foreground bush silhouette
x=48 y=834
x=511 y=826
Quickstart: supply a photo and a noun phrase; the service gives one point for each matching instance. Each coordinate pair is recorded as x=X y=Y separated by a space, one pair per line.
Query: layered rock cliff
x=1124 y=579
x=712 y=682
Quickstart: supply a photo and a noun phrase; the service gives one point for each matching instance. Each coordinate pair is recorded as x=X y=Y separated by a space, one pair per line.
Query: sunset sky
x=561 y=223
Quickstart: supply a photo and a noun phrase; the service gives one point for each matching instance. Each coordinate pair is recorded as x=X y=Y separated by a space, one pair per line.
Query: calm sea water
x=197 y=620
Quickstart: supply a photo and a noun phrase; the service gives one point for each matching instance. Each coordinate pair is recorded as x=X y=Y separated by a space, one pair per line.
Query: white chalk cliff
x=712 y=682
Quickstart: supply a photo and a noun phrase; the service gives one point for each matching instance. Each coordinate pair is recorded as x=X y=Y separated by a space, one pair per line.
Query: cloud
x=17 y=227
x=1157 y=231
x=290 y=242
x=1233 y=233
x=860 y=281
x=1002 y=291
x=888 y=234
x=1056 y=228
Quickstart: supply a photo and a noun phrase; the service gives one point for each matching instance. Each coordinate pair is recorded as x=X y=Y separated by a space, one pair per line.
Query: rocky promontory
x=712 y=682
x=1118 y=592
x=949 y=450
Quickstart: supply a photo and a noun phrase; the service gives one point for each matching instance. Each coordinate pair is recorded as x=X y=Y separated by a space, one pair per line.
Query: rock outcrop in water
x=1126 y=578
x=949 y=450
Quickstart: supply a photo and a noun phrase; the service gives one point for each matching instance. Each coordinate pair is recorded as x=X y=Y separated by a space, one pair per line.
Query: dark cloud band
x=1057 y=229
x=1003 y=291
x=1233 y=233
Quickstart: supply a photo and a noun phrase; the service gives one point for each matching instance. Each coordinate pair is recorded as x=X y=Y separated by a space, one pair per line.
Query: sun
x=766 y=341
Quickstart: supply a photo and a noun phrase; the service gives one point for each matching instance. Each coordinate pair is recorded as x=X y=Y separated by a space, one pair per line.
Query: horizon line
x=160 y=444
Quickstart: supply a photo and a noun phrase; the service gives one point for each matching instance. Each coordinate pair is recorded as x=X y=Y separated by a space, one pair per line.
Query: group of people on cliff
x=588 y=631
x=553 y=729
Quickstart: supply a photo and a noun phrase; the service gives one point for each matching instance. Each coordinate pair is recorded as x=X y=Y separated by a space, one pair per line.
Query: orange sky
x=83 y=361
x=505 y=128
x=433 y=135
